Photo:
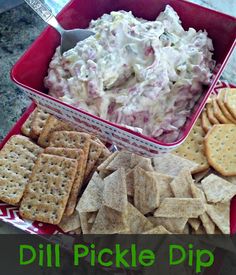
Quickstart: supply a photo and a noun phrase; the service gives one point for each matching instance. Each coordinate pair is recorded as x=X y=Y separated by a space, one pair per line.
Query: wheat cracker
x=26 y=127
x=52 y=124
x=95 y=151
x=45 y=197
x=77 y=154
x=38 y=122
x=71 y=139
x=17 y=159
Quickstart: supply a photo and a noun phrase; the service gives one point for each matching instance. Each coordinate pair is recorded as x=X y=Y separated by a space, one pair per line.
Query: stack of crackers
x=211 y=143
x=44 y=171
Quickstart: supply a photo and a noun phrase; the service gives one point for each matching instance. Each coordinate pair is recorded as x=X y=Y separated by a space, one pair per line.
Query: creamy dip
x=134 y=72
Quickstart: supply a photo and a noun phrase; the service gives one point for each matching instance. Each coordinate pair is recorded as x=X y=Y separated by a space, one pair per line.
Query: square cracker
x=70 y=223
x=47 y=193
x=180 y=208
x=146 y=191
x=26 y=127
x=171 y=165
x=17 y=159
x=38 y=122
x=218 y=189
x=77 y=154
x=95 y=151
x=52 y=124
x=221 y=147
x=193 y=148
x=71 y=139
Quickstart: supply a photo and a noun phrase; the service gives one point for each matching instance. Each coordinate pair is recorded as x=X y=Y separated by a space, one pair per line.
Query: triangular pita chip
x=137 y=222
x=115 y=191
x=91 y=199
x=146 y=191
x=109 y=221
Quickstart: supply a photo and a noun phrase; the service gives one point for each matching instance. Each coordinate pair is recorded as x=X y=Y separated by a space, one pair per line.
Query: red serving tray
x=28 y=73
x=10 y=214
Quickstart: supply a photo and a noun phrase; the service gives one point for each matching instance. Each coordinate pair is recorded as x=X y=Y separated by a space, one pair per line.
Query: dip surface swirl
x=138 y=73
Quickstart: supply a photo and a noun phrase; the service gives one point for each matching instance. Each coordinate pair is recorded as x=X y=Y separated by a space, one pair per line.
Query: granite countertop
x=18 y=29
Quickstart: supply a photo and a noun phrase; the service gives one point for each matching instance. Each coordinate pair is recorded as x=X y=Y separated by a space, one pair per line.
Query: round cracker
x=230 y=101
x=193 y=148
x=210 y=114
x=220 y=101
x=218 y=113
x=206 y=124
x=220 y=144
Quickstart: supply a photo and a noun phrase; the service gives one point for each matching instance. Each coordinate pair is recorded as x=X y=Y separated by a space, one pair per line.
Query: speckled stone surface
x=18 y=29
